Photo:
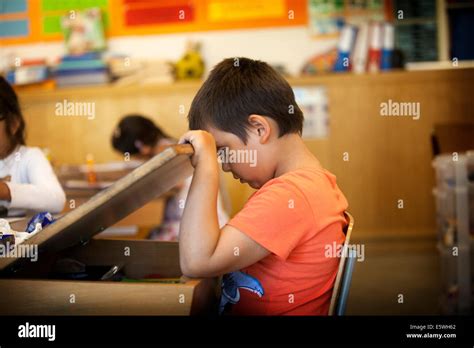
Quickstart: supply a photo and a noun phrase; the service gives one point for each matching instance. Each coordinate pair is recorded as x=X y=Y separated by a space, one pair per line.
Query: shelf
x=193 y=86
x=107 y=90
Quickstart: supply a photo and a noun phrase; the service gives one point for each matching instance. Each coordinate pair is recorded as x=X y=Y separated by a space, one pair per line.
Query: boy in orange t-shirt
x=273 y=254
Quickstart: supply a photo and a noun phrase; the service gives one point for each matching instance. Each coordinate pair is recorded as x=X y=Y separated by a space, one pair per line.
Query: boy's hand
x=204 y=249
x=205 y=151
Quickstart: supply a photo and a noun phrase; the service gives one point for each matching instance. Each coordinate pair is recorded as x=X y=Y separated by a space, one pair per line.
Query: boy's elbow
x=188 y=269
x=187 y=272
x=194 y=269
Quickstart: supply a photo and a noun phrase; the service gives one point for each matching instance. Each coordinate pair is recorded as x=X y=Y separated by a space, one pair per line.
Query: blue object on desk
x=44 y=218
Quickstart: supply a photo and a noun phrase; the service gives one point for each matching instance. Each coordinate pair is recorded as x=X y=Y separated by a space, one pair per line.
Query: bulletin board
x=23 y=21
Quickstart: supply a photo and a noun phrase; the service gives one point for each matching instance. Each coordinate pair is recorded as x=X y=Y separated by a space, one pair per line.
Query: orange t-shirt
x=297 y=217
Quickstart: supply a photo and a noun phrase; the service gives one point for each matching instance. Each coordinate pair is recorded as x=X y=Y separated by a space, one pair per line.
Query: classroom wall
x=290 y=46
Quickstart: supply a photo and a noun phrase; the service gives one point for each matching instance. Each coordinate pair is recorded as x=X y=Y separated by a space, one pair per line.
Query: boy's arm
x=205 y=250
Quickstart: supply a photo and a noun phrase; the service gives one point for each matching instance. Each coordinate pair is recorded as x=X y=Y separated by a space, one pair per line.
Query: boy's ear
x=260 y=126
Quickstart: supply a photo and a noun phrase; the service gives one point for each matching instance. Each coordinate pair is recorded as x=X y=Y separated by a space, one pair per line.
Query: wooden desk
x=145 y=218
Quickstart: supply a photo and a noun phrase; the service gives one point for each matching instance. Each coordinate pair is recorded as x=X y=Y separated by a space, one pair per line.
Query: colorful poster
x=326 y=17
x=24 y=21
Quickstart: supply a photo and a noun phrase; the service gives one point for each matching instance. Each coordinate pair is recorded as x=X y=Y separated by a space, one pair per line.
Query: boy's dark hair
x=133 y=128
x=10 y=112
x=239 y=87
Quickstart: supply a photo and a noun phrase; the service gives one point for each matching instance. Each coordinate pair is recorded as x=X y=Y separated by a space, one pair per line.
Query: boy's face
x=251 y=163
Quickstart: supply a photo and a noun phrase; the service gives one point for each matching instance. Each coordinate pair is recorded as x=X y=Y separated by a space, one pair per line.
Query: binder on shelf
x=359 y=57
x=346 y=42
x=375 y=45
x=387 y=46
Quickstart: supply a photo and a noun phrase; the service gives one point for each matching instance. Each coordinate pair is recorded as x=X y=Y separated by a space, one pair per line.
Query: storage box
x=26 y=287
x=454 y=197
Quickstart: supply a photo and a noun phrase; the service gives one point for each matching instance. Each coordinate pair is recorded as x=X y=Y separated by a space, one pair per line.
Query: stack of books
x=86 y=69
x=28 y=71
x=366 y=47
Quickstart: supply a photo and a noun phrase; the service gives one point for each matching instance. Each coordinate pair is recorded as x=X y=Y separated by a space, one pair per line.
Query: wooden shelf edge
x=192 y=86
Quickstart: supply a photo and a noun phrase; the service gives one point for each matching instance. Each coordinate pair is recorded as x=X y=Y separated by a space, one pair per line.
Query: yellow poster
x=222 y=10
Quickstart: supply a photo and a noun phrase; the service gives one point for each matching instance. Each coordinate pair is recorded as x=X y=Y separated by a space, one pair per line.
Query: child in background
x=273 y=253
x=27 y=181
x=142 y=139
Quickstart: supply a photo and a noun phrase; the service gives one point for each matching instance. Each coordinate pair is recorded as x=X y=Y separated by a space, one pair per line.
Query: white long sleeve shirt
x=32 y=182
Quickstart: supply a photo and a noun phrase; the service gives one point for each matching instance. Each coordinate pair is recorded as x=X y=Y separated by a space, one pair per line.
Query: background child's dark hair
x=239 y=87
x=10 y=111
x=133 y=128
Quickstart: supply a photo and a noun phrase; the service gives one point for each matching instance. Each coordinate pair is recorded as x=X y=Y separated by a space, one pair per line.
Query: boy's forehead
x=219 y=135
